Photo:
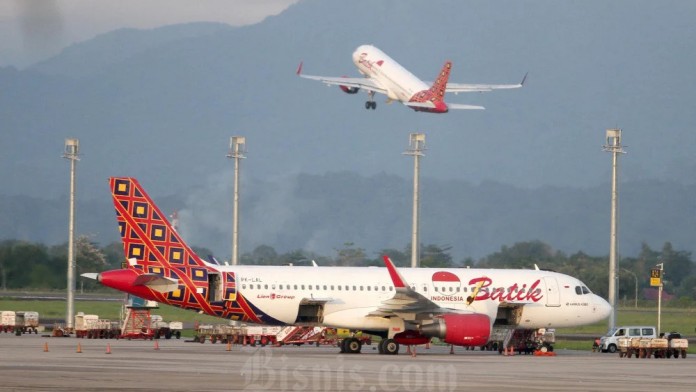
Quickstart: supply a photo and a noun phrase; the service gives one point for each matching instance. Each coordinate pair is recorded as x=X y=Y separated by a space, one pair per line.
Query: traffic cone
x=46 y=347
x=108 y=348
x=156 y=344
x=79 y=348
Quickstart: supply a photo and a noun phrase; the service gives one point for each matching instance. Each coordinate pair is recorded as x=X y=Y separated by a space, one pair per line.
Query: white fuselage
x=547 y=299
x=399 y=83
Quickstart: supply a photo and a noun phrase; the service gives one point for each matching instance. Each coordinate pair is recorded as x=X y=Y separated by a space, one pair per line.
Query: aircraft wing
x=472 y=88
x=411 y=305
x=405 y=301
x=363 y=83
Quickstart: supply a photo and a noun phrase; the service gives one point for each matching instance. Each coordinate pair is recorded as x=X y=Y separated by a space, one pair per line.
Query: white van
x=609 y=342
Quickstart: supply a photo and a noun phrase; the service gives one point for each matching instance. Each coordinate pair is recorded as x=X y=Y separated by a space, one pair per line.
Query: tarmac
x=35 y=363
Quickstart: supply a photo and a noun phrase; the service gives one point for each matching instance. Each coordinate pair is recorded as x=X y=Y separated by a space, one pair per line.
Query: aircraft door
x=553 y=296
x=214 y=287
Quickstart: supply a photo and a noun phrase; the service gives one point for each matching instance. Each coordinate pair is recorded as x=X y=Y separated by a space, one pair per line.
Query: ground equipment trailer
x=90 y=326
x=19 y=322
x=653 y=347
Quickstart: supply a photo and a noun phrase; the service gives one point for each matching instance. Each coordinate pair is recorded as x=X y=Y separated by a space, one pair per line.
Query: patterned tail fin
x=440 y=84
x=146 y=234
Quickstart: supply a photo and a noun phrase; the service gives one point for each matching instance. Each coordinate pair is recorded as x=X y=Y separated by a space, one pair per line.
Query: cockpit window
x=581 y=290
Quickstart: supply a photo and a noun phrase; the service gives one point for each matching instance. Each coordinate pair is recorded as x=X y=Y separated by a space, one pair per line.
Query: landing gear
x=388 y=347
x=351 y=346
x=371 y=104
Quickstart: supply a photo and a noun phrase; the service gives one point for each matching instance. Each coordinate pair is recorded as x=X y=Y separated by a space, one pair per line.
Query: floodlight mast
x=236 y=151
x=72 y=150
x=613 y=146
x=416 y=148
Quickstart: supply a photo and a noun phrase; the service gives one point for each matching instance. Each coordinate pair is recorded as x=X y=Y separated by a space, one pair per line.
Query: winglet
x=524 y=79
x=299 y=69
x=397 y=279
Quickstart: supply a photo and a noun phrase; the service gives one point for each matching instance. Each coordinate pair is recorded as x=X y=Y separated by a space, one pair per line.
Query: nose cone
x=601 y=308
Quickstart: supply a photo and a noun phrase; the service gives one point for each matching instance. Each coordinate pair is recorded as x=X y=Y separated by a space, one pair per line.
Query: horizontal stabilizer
x=426 y=104
x=465 y=107
x=90 y=275
x=158 y=283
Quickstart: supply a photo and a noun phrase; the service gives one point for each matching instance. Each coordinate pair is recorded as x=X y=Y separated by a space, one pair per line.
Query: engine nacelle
x=411 y=338
x=460 y=329
x=349 y=90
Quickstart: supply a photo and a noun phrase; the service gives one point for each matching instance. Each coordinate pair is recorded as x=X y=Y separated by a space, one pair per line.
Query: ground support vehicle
x=19 y=322
x=218 y=333
x=301 y=335
x=609 y=342
x=653 y=347
x=90 y=326
x=136 y=324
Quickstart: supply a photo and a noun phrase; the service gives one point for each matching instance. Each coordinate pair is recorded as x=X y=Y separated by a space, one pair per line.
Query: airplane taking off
x=384 y=75
x=461 y=306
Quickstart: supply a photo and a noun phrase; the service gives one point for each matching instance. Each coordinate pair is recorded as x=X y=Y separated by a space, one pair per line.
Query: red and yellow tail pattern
x=436 y=93
x=440 y=85
x=157 y=253
x=147 y=235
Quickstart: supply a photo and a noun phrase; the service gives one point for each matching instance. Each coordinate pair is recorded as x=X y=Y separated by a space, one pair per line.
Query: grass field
x=105 y=309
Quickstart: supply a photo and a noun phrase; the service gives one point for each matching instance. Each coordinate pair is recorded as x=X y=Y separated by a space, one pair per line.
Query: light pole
x=72 y=150
x=661 y=268
x=613 y=146
x=236 y=151
x=636 y=285
x=416 y=148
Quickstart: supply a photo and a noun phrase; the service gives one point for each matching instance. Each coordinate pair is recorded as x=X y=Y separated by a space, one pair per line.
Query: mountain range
x=161 y=104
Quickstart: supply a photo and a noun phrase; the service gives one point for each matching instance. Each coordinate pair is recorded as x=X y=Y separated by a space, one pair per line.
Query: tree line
x=29 y=265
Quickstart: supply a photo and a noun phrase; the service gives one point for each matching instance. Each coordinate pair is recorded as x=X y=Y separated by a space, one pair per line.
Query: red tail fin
x=440 y=84
x=146 y=234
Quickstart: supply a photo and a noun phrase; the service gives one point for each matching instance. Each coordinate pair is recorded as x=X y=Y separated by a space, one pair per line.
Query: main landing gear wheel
x=371 y=105
x=388 y=347
x=351 y=346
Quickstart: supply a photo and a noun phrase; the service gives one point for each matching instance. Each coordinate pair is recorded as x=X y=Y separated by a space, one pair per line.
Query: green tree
x=350 y=255
x=524 y=255
x=677 y=264
x=263 y=255
x=399 y=258
x=434 y=256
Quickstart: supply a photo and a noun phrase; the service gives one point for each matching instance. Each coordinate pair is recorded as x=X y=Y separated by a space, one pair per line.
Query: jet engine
x=349 y=90
x=410 y=338
x=460 y=329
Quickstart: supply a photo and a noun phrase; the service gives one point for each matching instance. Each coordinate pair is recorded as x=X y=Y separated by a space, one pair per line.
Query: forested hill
x=320 y=213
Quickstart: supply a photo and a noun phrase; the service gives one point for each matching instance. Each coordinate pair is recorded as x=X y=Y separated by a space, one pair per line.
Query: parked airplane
x=404 y=306
x=384 y=75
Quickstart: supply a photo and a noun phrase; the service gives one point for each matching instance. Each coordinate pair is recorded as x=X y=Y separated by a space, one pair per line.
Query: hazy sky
x=32 y=30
